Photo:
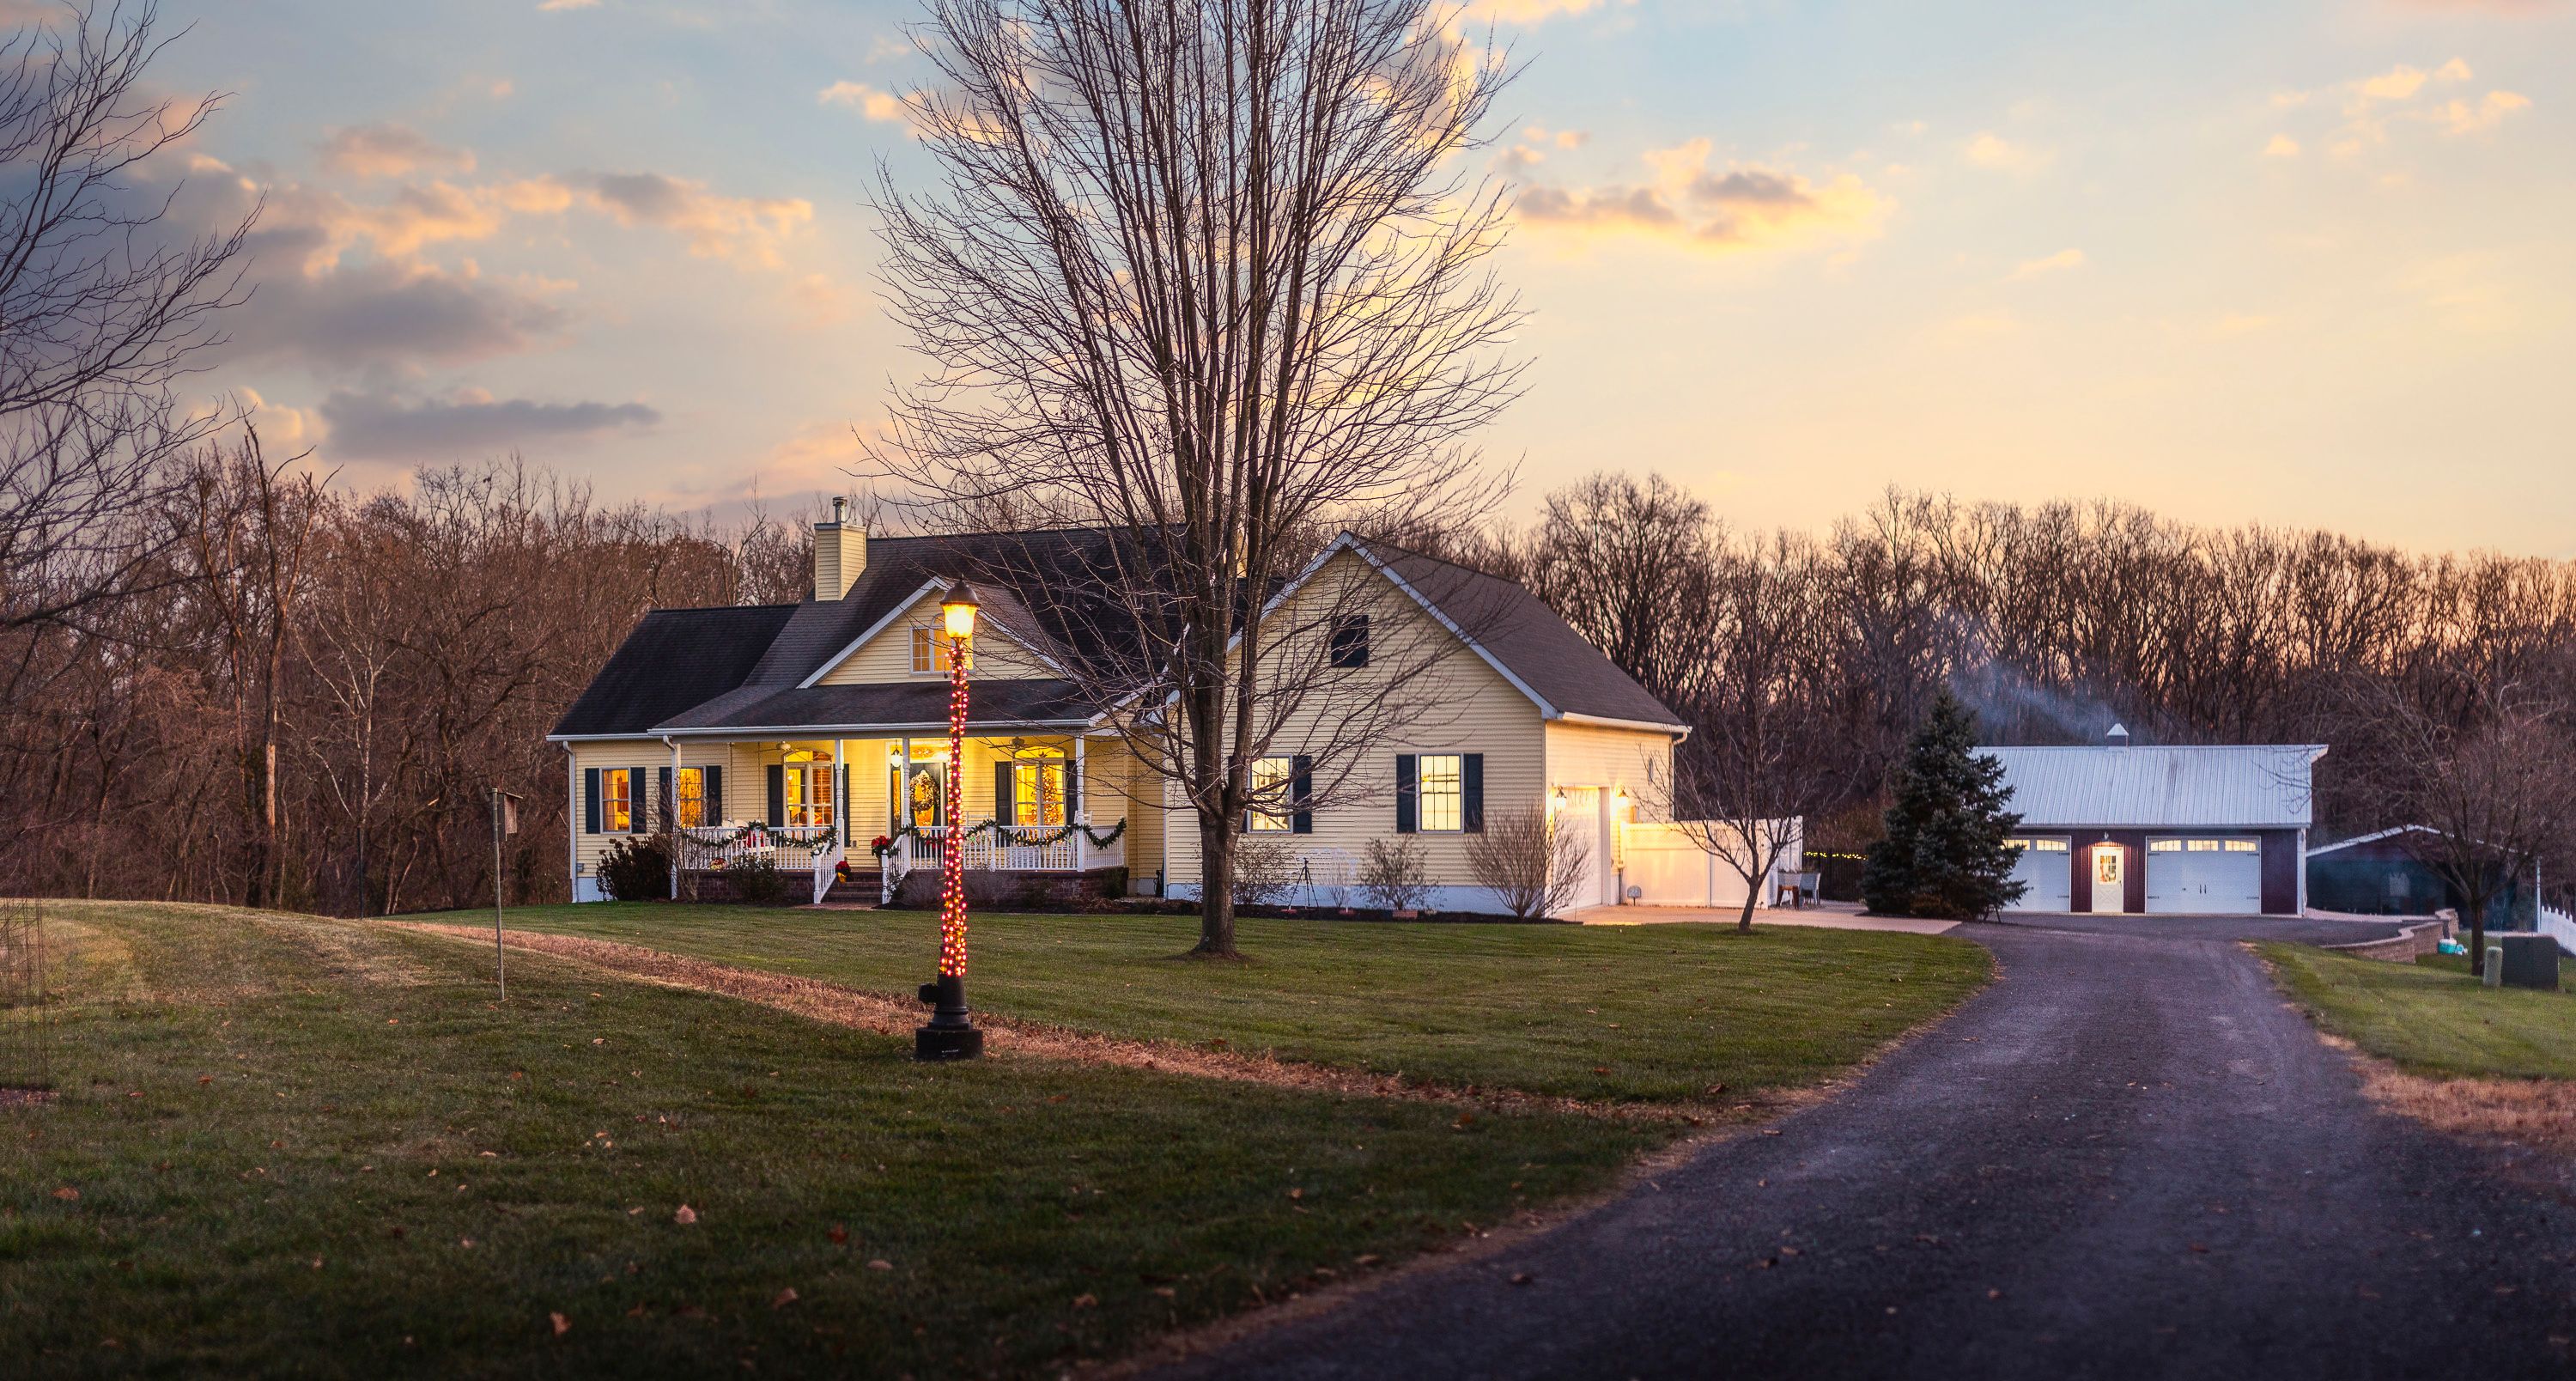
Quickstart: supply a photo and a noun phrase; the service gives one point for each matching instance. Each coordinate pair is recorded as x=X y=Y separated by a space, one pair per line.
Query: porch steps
x=860 y=888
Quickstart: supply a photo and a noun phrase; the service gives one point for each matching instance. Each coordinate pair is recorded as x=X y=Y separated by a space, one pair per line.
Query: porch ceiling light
x=957 y=612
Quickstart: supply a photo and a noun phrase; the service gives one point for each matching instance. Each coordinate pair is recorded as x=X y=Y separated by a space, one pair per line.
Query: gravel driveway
x=2127 y=1158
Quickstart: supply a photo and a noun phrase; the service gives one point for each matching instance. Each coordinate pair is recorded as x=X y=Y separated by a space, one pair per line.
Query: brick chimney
x=840 y=552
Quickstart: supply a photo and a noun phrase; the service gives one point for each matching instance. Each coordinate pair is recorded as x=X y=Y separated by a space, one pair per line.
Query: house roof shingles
x=675 y=659
x=1528 y=638
x=702 y=670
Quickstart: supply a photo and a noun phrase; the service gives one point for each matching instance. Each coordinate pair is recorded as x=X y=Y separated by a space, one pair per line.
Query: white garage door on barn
x=2046 y=866
x=2204 y=874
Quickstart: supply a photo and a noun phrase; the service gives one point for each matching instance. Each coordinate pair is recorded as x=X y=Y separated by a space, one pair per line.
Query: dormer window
x=1351 y=641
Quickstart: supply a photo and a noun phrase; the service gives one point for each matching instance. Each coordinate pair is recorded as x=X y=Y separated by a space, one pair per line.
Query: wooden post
x=1082 y=794
x=500 y=966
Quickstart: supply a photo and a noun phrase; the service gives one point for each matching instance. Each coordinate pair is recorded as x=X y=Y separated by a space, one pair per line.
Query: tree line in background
x=302 y=695
x=305 y=695
x=2444 y=684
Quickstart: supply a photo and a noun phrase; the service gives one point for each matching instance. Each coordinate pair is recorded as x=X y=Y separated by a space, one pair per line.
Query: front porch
x=866 y=811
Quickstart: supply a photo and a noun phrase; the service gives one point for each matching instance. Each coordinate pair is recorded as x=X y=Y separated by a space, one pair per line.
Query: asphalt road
x=2126 y=1159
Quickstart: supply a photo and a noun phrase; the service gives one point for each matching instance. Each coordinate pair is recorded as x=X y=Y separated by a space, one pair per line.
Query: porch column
x=841 y=796
x=1081 y=794
x=673 y=806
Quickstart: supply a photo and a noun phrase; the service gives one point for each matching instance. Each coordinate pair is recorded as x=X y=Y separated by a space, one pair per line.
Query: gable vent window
x=1351 y=641
x=930 y=653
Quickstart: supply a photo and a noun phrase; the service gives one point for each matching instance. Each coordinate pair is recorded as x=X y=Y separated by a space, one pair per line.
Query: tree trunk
x=1744 y=922
x=2476 y=907
x=1216 y=889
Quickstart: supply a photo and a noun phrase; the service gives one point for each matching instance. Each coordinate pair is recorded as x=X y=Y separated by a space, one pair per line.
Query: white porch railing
x=827 y=865
x=1010 y=848
x=790 y=848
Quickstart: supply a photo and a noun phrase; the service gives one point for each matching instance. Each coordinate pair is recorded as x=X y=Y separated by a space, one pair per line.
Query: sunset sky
x=2308 y=263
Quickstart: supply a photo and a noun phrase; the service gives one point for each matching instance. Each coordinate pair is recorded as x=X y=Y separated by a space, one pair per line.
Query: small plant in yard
x=1944 y=855
x=757 y=881
x=1391 y=874
x=1265 y=870
x=1531 y=865
x=636 y=868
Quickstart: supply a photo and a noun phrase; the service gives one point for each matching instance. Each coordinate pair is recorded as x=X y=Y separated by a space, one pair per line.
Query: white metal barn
x=2166 y=830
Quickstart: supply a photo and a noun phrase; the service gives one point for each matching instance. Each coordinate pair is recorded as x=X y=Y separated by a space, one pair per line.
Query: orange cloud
x=882 y=106
x=1690 y=205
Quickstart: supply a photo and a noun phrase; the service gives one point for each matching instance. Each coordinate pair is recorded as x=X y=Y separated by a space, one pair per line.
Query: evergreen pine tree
x=1944 y=854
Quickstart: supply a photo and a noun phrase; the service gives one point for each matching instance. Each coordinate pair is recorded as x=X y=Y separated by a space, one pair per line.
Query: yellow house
x=801 y=734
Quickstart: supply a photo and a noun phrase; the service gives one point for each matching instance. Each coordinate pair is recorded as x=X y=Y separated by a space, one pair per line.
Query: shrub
x=1391 y=874
x=1265 y=870
x=636 y=868
x=1532 y=867
x=756 y=881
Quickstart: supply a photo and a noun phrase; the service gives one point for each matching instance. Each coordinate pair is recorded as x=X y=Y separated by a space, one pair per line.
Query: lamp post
x=951 y=1034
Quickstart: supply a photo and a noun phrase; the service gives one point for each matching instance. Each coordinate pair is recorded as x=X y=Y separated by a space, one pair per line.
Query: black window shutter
x=590 y=800
x=1471 y=793
x=777 y=795
x=1006 y=793
x=1072 y=789
x=1404 y=789
x=841 y=802
x=1301 y=794
x=711 y=781
x=670 y=803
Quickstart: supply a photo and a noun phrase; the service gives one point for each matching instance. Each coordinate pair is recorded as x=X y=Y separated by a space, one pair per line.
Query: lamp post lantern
x=951 y=1034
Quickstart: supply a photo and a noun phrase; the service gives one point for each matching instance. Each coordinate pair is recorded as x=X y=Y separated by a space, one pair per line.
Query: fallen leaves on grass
x=685 y=1216
x=67 y=1193
x=562 y=1324
x=783 y=1298
x=839 y=1234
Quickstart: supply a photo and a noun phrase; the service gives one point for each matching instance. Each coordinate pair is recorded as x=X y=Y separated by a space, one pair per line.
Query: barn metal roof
x=2248 y=786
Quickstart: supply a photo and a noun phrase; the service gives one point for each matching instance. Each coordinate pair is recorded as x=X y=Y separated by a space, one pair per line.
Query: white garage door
x=2046 y=865
x=2204 y=874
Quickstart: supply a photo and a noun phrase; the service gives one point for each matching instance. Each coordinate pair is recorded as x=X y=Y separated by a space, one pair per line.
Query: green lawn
x=2432 y=1017
x=1656 y=1012
x=318 y=1147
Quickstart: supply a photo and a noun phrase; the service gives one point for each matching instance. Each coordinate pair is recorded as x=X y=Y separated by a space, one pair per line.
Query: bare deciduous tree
x=1207 y=275
x=102 y=310
x=2490 y=795
x=1761 y=759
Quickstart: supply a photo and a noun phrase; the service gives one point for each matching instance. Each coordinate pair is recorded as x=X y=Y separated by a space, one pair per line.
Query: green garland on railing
x=1100 y=839
x=697 y=835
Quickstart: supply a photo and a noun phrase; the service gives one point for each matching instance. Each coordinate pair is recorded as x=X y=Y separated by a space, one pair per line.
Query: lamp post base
x=951 y=1034
x=947 y=1043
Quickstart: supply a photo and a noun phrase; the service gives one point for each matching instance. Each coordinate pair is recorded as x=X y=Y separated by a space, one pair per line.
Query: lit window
x=692 y=791
x=2037 y=846
x=1441 y=793
x=2052 y=846
x=1351 y=641
x=617 y=800
x=2245 y=846
x=1037 y=793
x=2164 y=846
x=2203 y=846
x=805 y=788
x=1272 y=781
